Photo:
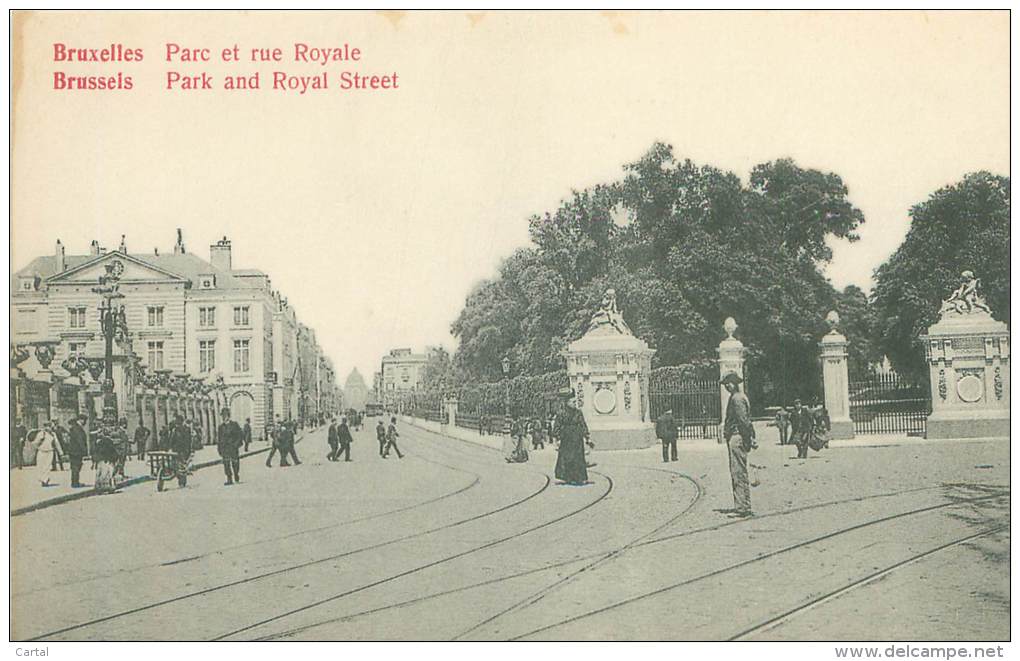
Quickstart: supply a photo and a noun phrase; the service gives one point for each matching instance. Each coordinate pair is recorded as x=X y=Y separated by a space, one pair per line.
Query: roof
x=188 y=266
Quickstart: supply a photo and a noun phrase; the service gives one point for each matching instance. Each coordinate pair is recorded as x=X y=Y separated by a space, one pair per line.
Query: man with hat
x=666 y=431
x=229 y=440
x=739 y=435
x=77 y=448
x=572 y=432
x=801 y=422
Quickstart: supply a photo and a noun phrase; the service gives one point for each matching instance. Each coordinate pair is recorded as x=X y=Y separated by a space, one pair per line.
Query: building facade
x=189 y=320
x=402 y=372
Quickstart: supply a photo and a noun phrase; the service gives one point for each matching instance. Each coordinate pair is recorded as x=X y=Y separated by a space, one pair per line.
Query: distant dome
x=355 y=391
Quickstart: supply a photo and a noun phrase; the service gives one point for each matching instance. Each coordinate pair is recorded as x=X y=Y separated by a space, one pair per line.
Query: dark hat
x=733 y=378
x=566 y=392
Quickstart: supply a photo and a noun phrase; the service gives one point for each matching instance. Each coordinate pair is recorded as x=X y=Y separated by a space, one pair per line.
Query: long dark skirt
x=570 y=464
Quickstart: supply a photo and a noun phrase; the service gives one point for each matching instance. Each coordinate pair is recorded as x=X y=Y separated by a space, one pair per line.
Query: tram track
x=594 y=557
x=476 y=480
x=428 y=565
x=598 y=561
x=288 y=569
x=758 y=559
x=786 y=616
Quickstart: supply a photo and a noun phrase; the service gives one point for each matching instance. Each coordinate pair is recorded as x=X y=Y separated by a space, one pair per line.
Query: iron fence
x=695 y=405
x=886 y=404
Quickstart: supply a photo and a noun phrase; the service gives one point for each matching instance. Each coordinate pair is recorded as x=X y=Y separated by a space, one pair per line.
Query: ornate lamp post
x=506 y=398
x=113 y=323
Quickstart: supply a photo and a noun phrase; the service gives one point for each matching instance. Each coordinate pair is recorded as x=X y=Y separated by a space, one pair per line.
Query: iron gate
x=888 y=404
x=695 y=404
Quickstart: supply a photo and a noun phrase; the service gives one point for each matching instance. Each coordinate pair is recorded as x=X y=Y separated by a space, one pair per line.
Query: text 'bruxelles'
x=183 y=77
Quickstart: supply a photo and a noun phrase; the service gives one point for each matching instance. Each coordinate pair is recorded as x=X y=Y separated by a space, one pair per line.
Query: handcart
x=166 y=465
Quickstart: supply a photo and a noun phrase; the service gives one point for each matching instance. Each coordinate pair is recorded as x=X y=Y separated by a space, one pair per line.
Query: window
x=206 y=355
x=76 y=317
x=207 y=317
x=241 y=318
x=155 y=316
x=76 y=348
x=155 y=355
x=242 y=356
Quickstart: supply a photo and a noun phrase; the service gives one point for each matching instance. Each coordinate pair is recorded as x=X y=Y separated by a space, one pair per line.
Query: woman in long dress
x=48 y=444
x=106 y=458
x=572 y=431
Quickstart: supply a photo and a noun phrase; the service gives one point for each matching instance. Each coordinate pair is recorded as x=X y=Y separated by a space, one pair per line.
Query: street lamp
x=113 y=323
x=506 y=379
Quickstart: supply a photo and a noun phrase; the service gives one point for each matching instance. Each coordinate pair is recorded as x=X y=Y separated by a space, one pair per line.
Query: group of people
x=566 y=430
x=53 y=442
x=804 y=427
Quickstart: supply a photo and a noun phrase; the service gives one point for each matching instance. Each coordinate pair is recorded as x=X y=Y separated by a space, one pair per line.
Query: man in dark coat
x=141 y=438
x=391 y=439
x=666 y=431
x=273 y=433
x=18 y=435
x=380 y=435
x=572 y=432
x=345 y=438
x=801 y=422
x=229 y=440
x=247 y=433
x=181 y=444
x=285 y=442
x=333 y=438
x=77 y=447
x=739 y=435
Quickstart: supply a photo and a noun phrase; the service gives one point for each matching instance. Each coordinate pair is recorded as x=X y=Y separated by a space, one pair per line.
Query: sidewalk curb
x=85 y=493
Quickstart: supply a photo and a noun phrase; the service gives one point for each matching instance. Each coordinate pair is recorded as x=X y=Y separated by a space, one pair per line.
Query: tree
x=684 y=246
x=961 y=227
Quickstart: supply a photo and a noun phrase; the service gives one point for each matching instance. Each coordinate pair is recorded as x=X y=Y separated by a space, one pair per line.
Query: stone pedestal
x=836 y=381
x=968 y=359
x=609 y=371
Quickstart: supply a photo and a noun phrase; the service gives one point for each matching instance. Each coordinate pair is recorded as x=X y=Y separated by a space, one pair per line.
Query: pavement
x=27 y=493
x=896 y=542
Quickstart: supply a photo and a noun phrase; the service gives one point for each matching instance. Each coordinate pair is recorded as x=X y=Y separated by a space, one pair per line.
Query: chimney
x=61 y=257
x=179 y=246
x=219 y=255
x=155 y=251
x=123 y=245
x=94 y=248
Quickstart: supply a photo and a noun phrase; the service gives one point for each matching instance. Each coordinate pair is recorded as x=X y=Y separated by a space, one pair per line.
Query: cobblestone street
x=453 y=543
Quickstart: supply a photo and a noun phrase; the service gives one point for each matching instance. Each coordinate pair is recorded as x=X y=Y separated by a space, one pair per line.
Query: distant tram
x=373 y=409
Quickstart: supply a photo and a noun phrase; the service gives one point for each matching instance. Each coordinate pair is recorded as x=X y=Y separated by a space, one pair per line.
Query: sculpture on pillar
x=608 y=315
x=832 y=319
x=965 y=299
x=44 y=353
x=19 y=354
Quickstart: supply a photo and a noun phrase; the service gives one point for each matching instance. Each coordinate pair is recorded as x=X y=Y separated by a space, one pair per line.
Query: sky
x=376 y=211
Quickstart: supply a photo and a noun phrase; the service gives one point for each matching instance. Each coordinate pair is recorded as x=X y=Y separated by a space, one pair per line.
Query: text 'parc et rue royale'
x=185 y=58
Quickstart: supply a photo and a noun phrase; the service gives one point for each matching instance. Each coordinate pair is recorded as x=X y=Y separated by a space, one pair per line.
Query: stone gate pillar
x=451 y=411
x=731 y=359
x=836 y=379
x=968 y=361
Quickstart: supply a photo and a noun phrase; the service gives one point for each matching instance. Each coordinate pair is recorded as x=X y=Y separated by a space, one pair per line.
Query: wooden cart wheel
x=165 y=474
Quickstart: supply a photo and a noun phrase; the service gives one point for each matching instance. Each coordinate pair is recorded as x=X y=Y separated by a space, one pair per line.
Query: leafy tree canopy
x=960 y=227
x=685 y=246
